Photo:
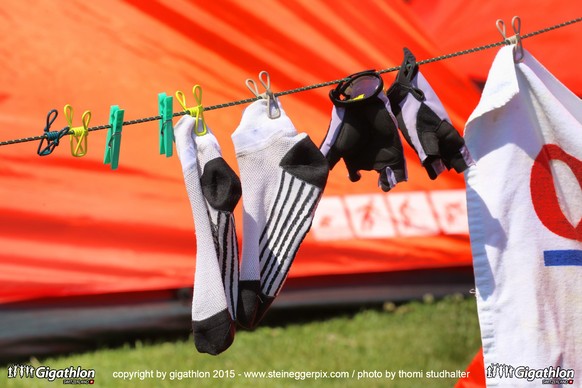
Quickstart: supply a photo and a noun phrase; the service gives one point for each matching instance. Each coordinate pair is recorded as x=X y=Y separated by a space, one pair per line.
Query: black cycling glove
x=424 y=123
x=363 y=130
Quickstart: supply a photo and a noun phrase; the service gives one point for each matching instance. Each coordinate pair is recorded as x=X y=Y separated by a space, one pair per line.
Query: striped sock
x=213 y=190
x=283 y=175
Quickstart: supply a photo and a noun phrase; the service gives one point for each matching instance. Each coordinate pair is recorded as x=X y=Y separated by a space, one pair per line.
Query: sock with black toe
x=213 y=190
x=283 y=175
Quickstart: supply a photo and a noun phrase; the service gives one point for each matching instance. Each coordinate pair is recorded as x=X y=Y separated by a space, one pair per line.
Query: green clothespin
x=165 y=107
x=113 y=142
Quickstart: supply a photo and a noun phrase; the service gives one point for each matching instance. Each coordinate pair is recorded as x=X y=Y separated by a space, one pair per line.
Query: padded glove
x=424 y=123
x=363 y=130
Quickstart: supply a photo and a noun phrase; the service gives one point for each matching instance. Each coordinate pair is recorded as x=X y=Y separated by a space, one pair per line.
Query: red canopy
x=71 y=226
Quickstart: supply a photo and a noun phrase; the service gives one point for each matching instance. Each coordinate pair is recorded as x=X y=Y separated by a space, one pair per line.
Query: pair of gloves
x=363 y=128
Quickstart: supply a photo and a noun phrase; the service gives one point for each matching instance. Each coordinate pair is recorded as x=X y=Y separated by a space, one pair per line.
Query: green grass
x=415 y=337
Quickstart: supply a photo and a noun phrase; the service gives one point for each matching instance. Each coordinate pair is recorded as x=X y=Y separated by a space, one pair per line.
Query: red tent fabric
x=70 y=226
x=457 y=25
x=475 y=373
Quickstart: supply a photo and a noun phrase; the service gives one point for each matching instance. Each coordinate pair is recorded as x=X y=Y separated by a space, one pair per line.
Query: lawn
x=388 y=346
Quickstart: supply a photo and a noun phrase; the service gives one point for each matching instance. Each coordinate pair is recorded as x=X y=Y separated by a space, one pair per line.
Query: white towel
x=524 y=200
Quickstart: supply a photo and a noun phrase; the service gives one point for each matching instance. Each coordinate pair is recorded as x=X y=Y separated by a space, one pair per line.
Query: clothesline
x=309 y=87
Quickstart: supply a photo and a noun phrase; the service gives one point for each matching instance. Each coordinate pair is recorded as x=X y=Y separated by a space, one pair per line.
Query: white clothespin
x=272 y=105
x=515 y=39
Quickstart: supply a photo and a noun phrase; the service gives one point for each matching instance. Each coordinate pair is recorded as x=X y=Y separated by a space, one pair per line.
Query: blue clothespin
x=113 y=142
x=52 y=137
x=166 y=128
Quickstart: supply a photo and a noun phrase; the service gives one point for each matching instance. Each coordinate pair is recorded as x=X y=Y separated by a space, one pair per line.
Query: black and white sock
x=213 y=190
x=283 y=175
x=423 y=121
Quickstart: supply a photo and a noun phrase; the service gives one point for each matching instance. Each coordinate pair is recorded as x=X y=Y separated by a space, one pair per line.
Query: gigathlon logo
x=70 y=375
x=550 y=375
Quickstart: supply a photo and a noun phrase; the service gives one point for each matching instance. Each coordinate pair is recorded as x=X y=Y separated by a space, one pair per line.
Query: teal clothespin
x=113 y=142
x=165 y=106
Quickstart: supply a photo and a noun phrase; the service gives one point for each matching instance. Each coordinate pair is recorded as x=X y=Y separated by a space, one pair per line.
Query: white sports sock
x=213 y=190
x=283 y=175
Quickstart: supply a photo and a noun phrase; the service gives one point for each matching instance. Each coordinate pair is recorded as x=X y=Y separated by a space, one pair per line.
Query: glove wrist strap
x=358 y=89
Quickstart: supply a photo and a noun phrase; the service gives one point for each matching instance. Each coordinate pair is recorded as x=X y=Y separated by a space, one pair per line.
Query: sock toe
x=215 y=334
x=248 y=302
x=264 y=305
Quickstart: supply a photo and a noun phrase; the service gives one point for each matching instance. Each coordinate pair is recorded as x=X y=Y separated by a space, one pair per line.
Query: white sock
x=213 y=190
x=283 y=175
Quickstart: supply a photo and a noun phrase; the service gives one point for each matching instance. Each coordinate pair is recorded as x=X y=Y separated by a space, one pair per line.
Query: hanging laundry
x=423 y=121
x=283 y=175
x=362 y=131
x=524 y=197
x=213 y=190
